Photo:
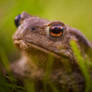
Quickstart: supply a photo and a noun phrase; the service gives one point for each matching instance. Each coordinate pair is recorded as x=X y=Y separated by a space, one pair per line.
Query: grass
x=10 y=83
x=81 y=62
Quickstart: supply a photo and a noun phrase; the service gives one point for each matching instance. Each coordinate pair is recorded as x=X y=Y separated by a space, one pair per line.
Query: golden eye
x=56 y=31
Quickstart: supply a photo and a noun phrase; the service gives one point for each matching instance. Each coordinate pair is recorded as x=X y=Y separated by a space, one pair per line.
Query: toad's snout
x=20 y=44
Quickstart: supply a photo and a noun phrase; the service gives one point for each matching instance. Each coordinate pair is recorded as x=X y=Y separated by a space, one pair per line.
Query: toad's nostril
x=17 y=20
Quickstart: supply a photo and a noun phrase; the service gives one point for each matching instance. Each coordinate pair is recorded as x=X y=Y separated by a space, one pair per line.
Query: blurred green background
x=76 y=13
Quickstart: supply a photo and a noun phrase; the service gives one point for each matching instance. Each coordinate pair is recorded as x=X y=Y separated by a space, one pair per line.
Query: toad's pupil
x=56 y=30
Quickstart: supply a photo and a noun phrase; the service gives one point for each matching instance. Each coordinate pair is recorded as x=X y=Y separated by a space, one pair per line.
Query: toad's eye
x=17 y=20
x=56 y=31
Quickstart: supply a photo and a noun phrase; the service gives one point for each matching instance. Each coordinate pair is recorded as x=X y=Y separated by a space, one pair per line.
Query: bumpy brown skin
x=35 y=43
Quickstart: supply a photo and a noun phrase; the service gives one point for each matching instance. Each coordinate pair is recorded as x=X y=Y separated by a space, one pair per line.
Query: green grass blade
x=81 y=64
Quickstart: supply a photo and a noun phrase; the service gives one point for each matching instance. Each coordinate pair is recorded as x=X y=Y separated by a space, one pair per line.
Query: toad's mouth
x=26 y=45
x=46 y=50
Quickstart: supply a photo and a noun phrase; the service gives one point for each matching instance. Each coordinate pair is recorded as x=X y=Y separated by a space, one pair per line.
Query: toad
x=43 y=43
